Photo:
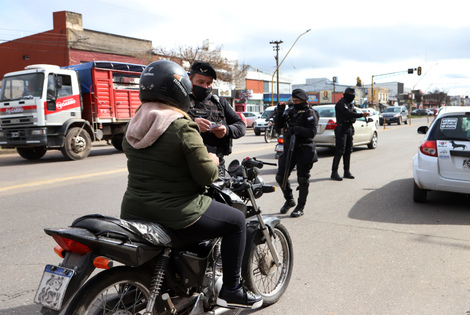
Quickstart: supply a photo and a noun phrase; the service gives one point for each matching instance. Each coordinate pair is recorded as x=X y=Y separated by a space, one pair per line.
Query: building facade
x=69 y=43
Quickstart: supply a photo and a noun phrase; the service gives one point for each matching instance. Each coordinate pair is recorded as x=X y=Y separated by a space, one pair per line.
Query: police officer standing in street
x=218 y=122
x=299 y=120
x=344 y=131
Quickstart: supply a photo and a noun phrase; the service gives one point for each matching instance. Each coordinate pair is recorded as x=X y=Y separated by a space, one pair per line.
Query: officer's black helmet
x=167 y=82
x=350 y=90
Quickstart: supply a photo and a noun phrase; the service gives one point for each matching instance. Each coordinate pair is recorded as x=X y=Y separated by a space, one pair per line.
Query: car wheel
x=419 y=195
x=399 y=121
x=257 y=132
x=406 y=121
x=373 y=142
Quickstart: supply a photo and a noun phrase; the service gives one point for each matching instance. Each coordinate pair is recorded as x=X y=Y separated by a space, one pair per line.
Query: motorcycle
x=270 y=134
x=159 y=272
x=279 y=148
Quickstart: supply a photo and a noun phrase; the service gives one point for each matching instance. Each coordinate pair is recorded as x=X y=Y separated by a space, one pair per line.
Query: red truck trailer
x=45 y=107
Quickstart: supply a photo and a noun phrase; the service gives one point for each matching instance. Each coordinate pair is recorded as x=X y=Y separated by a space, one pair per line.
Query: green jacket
x=167 y=176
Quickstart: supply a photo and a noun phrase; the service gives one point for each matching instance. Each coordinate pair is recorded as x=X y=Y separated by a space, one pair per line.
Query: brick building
x=69 y=43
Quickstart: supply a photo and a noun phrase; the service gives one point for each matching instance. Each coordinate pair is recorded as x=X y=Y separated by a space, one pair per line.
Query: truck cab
x=45 y=107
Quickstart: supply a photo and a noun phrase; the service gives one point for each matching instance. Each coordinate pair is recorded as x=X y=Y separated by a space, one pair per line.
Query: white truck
x=45 y=107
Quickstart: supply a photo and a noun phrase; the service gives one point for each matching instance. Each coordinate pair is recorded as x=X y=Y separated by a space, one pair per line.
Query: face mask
x=349 y=97
x=201 y=93
x=300 y=105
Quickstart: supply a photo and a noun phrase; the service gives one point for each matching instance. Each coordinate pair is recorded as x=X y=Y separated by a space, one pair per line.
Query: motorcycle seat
x=131 y=230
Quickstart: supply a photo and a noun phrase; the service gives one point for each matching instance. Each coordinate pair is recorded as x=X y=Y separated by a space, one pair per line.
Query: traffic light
x=410 y=71
x=359 y=82
x=419 y=70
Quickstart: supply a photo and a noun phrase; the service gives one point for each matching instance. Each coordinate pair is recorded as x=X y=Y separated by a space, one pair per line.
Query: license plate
x=279 y=148
x=15 y=134
x=52 y=287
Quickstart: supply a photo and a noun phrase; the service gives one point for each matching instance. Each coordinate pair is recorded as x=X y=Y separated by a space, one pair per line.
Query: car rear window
x=451 y=128
x=326 y=112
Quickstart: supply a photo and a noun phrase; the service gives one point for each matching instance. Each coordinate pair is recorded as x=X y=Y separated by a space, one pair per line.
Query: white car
x=251 y=118
x=261 y=123
x=365 y=132
x=373 y=114
x=443 y=160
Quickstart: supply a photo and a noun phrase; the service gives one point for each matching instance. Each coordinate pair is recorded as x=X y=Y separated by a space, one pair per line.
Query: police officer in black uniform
x=299 y=120
x=218 y=122
x=344 y=131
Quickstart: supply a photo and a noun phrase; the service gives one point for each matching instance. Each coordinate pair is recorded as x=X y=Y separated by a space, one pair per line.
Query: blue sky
x=347 y=38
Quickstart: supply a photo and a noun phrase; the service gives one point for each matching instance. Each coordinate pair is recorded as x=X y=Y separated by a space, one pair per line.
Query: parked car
x=443 y=159
x=365 y=132
x=240 y=114
x=373 y=114
x=421 y=112
x=251 y=118
x=394 y=114
x=261 y=123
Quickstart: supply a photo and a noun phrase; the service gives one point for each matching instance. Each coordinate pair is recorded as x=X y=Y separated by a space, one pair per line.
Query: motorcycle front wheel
x=120 y=290
x=261 y=275
x=269 y=134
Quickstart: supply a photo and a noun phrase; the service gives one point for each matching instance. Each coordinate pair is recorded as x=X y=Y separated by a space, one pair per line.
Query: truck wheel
x=32 y=153
x=116 y=140
x=77 y=144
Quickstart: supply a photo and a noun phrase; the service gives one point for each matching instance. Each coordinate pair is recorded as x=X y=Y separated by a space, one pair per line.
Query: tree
x=436 y=98
x=228 y=71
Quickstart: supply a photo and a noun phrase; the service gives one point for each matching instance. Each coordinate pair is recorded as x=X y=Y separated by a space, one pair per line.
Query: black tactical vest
x=209 y=109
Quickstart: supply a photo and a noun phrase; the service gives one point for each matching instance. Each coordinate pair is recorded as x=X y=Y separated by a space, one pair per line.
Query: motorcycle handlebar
x=253 y=162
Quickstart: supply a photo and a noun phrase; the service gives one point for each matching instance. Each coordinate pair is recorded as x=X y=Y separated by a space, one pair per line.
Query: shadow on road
x=393 y=203
x=26 y=309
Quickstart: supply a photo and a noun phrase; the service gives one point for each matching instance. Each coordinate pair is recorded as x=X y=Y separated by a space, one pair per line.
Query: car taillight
x=429 y=147
x=71 y=246
x=280 y=140
x=331 y=125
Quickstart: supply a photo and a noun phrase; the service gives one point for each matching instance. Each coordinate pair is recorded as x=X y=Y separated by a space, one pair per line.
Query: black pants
x=303 y=157
x=343 y=147
x=221 y=220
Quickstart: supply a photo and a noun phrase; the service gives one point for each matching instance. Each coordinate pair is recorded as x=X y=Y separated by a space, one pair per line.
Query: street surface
x=362 y=247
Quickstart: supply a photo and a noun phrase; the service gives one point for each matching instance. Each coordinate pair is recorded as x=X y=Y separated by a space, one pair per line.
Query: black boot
x=346 y=164
x=287 y=205
x=298 y=212
x=334 y=168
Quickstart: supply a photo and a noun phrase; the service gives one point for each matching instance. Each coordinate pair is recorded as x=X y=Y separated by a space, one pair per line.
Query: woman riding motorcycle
x=169 y=168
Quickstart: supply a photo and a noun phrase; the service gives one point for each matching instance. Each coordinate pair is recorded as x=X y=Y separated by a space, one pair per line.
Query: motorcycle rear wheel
x=120 y=290
x=261 y=274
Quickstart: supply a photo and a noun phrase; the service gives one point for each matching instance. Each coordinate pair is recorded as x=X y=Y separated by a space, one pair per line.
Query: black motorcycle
x=159 y=272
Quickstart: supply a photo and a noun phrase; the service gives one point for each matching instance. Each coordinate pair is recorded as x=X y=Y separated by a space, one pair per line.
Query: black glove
x=281 y=108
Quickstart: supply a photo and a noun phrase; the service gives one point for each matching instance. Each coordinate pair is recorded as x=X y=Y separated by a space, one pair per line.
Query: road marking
x=57 y=180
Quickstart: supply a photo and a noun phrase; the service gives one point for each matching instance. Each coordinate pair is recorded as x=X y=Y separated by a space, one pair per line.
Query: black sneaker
x=241 y=298
x=347 y=174
x=298 y=212
x=287 y=205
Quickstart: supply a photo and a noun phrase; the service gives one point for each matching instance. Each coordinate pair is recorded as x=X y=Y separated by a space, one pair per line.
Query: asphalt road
x=362 y=247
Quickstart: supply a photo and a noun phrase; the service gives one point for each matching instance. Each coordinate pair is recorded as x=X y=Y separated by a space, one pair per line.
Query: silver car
x=365 y=132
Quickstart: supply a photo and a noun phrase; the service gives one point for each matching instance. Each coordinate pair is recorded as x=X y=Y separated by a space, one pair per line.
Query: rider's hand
x=214 y=158
x=281 y=107
x=365 y=114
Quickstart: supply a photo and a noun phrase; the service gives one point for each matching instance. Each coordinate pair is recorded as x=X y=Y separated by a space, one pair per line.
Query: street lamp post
x=277 y=68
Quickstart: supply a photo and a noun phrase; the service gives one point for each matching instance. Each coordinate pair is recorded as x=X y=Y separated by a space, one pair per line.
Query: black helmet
x=167 y=82
x=350 y=90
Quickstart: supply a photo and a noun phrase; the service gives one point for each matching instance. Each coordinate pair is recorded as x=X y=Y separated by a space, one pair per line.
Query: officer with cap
x=218 y=122
x=299 y=120
x=345 y=118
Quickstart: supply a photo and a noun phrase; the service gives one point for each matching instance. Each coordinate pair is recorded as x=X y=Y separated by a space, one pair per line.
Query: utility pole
x=276 y=49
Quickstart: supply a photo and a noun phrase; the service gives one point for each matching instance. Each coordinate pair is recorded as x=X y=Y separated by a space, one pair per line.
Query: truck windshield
x=25 y=86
